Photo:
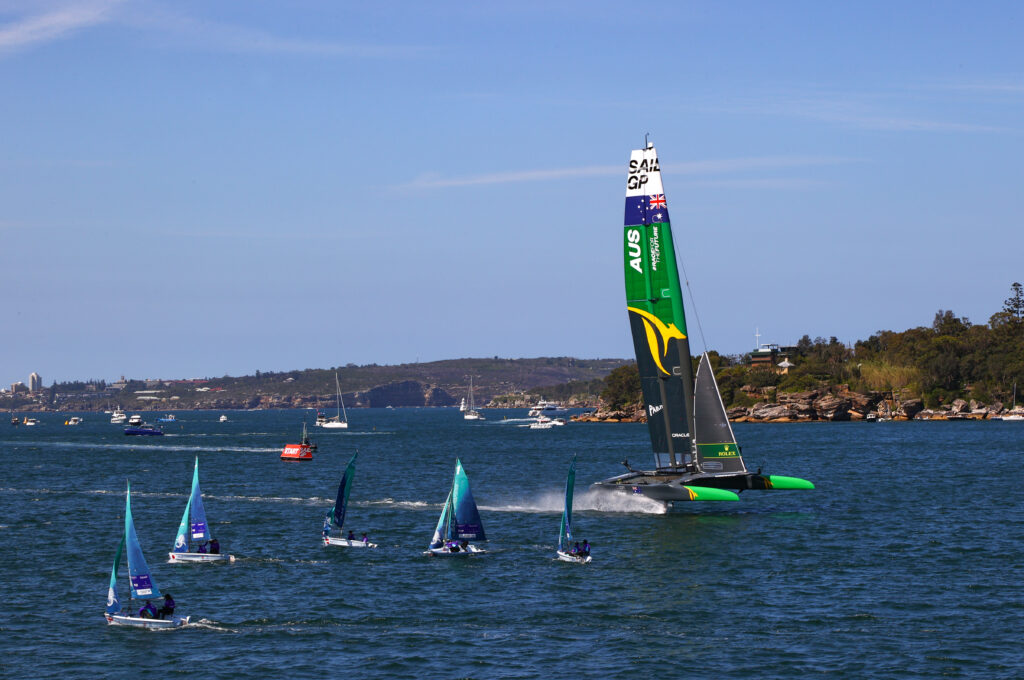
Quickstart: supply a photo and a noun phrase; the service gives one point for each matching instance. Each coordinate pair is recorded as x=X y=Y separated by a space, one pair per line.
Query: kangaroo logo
x=658 y=335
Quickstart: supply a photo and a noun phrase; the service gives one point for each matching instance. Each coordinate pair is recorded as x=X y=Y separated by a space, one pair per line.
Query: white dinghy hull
x=199 y=557
x=346 y=543
x=462 y=552
x=566 y=557
x=121 y=619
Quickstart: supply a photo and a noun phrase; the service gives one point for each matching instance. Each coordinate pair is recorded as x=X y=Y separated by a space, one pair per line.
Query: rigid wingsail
x=695 y=453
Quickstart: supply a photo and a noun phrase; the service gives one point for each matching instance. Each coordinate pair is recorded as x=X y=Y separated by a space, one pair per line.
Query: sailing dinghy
x=459 y=522
x=140 y=581
x=194 y=530
x=335 y=518
x=565 y=530
x=695 y=452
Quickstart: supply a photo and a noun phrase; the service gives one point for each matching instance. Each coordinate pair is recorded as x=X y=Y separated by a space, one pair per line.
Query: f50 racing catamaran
x=695 y=452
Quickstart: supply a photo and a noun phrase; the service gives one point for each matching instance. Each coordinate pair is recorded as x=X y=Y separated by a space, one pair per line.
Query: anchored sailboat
x=335 y=518
x=194 y=531
x=565 y=529
x=695 y=453
x=459 y=522
x=470 y=412
x=335 y=421
x=140 y=581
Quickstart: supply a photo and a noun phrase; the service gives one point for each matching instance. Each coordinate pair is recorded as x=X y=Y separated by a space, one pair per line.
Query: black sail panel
x=717 y=450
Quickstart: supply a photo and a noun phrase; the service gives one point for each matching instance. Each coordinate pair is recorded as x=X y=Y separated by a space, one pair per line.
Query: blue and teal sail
x=565 y=530
x=113 y=603
x=193 y=526
x=443 y=530
x=336 y=515
x=467 y=518
x=460 y=518
x=139 y=576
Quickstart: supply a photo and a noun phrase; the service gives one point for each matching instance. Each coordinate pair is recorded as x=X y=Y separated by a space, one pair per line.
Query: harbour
x=868 y=575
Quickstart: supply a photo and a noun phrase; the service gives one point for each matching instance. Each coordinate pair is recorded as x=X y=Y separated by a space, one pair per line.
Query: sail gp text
x=638 y=170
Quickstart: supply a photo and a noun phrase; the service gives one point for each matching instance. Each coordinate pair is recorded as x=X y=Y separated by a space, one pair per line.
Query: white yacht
x=548 y=408
x=118 y=417
x=471 y=413
x=135 y=419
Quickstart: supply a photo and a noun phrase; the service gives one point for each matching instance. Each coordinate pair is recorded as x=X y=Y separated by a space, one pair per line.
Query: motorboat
x=143 y=429
x=135 y=419
x=548 y=408
x=301 y=451
x=118 y=417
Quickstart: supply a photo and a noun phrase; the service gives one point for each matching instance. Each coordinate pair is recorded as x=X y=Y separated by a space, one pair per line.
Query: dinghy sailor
x=168 y=608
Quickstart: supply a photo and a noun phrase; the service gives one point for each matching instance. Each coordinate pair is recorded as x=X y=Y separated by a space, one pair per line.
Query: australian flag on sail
x=646 y=210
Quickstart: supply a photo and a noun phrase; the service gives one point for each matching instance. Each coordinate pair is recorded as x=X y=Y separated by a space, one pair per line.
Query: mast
x=341 y=402
x=654 y=302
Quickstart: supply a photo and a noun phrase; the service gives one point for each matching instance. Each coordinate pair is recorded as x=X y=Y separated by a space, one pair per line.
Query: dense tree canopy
x=951 y=359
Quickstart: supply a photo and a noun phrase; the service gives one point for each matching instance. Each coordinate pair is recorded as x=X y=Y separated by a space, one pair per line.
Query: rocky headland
x=823 y=405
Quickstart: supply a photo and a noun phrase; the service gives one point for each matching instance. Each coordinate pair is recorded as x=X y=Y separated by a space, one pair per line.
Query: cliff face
x=404 y=393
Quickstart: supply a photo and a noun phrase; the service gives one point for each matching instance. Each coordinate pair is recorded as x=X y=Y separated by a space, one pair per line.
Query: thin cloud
x=707 y=167
x=55 y=24
x=1008 y=86
x=860 y=111
x=61 y=21
x=832 y=112
x=233 y=38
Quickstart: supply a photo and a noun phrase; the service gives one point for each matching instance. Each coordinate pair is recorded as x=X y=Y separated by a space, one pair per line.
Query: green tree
x=622 y=387
x=1014 y=305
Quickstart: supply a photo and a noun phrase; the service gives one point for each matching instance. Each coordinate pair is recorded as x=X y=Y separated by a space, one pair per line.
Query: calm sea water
x=905 y=562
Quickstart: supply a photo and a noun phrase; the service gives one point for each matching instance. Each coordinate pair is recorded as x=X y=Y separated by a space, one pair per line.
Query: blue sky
x=196 y=189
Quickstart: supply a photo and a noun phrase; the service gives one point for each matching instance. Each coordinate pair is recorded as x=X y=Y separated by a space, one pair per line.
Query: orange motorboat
x=301 y=451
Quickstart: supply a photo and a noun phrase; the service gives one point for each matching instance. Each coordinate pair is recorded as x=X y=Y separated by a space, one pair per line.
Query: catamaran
x=459 y=522
x=140 y=581
x=335 y=518
x=335 y=421
x=470 y=412
x=194 y=530
x=695 y=451
x=565 y=530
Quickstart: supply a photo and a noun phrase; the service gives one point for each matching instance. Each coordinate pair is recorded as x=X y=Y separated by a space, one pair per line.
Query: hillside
x=438 y=383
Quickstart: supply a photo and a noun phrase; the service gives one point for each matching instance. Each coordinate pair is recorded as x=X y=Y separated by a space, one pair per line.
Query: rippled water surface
x=905 y=562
